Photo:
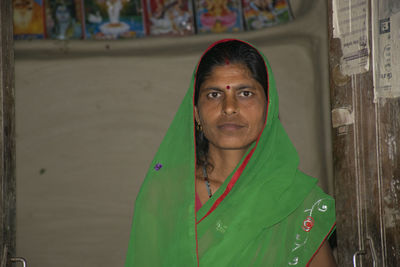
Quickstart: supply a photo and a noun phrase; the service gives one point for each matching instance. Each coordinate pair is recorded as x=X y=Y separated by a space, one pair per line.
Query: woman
x=224 y=188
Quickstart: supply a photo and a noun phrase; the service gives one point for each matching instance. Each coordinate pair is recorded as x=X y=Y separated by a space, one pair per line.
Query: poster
x=29 y=19
x=172 y=17
x=113 y=19
x=218 y=15
x=64 y=19
x=387 y=49
x=260 y=14
x=350 y=25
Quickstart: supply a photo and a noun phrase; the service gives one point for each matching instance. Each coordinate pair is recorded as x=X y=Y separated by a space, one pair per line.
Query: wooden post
x=366 y=150
x=7 y=135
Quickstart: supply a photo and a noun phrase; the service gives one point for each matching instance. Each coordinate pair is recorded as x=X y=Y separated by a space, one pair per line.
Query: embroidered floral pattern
x=323 y=208
x=221 y=227
x=308 y=224
x=158 y=166
x=320 y=206
x=294 y=261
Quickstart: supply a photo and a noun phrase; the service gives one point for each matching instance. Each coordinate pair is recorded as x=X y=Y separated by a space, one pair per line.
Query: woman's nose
x=230 y=105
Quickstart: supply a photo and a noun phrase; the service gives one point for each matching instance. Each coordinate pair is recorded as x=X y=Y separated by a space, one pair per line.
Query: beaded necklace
x=207 y=181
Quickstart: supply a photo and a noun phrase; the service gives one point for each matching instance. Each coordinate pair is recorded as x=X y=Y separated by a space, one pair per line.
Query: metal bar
x=357 y=253
x=19 y=259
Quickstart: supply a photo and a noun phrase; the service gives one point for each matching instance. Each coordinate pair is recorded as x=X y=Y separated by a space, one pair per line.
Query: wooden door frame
x=366 y=159
x=7 y=136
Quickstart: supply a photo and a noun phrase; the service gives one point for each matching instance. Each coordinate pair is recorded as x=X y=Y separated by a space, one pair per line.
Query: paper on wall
x=387 y=49
x=350 y=25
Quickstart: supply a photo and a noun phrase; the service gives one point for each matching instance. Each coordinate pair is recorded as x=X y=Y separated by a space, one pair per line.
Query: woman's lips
x=230 y=127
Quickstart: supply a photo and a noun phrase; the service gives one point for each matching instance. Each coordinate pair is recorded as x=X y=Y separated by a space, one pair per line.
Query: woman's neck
x=224 y=162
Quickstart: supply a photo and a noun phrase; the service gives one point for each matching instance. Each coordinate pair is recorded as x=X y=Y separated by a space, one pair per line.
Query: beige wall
x=90 y=116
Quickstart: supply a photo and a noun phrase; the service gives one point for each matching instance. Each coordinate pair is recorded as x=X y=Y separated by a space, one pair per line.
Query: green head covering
x=267 y=212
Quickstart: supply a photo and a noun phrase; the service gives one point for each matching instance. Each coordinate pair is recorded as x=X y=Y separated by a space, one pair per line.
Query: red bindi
x=228 y=87
x=226 y=61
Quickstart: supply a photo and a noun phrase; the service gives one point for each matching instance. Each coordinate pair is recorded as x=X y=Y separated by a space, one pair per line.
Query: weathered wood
x=366 y=165
x=343 y=161
x=7 y=133
x=388 y=122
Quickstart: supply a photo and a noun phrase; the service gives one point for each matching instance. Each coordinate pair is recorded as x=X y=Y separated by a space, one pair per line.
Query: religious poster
x=218 y=15
x=29 y=19
x=64 y=19
x=172 y=17
x=265 y=13
x=113 y=19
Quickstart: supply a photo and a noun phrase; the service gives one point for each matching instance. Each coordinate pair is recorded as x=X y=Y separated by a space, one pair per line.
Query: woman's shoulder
x=315 y=200
x=313 y=221
x=316 y=211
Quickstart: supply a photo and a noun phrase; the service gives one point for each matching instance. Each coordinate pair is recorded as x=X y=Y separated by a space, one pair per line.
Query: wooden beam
x=7 y=133
x=366 y=153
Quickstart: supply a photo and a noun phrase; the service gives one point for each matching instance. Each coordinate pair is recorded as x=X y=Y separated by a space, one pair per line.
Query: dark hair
x=233 y=52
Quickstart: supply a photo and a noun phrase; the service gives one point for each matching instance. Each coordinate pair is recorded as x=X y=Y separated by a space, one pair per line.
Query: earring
x=199 y=127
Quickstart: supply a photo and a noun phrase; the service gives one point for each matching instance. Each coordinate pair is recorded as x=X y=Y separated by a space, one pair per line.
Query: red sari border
x=323 y=241
x=230 y=185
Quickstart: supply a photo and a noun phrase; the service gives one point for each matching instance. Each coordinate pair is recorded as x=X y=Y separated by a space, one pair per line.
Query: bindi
x=227 y=61
x=228 y=87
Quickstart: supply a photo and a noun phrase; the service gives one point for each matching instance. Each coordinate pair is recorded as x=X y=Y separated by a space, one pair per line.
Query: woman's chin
x=233 y=145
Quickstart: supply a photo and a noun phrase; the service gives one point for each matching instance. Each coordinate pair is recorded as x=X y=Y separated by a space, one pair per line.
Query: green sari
x=267 y=212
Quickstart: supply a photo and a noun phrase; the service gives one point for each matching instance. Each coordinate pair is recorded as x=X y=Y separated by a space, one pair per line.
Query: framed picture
x=265 y=13
x=64 y=19
x=169 y=17
x=113 y=19
x=218 y=15
x=29 y=19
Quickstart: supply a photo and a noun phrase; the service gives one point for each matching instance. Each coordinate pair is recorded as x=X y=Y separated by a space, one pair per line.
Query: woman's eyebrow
x=235 y=87
x=243 y=86
x=210 y=88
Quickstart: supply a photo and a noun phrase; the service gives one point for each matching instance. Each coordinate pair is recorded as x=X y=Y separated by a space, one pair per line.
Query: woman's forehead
x=236 y=70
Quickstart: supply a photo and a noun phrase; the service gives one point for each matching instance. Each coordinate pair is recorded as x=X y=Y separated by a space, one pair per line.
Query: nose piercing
x=228 y=87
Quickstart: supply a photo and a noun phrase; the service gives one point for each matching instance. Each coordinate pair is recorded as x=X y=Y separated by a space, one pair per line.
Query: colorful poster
x=265 y=13
x=113 y=19
x=218 y=15
x=169 y=17
x=64 y=19
x=29 y=19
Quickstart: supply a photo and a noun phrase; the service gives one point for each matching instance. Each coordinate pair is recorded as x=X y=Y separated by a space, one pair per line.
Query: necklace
x=207 y=181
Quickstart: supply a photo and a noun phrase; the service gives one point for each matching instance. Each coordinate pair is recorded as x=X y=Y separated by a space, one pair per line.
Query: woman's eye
x=213 y=95
x=246 y=93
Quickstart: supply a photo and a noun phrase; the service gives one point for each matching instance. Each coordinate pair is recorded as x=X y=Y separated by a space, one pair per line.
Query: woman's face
x=231 y=107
